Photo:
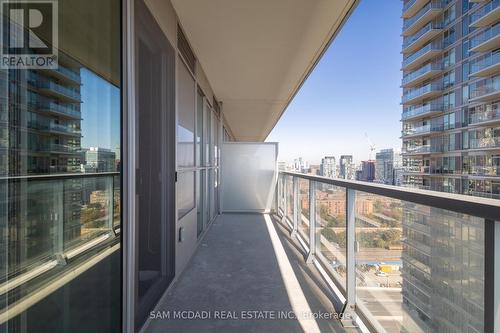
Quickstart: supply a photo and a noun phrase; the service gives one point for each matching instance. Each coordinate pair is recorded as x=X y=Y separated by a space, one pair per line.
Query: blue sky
x=100 y=112
x=355 y=89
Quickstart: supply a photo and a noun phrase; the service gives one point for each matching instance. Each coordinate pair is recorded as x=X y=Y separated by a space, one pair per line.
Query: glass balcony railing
x=416 y=149
x=481 y=194
x=426 y=49
x=421 y=72
x=81 y=213
x=418 y=92
x=484 y=62
x=417 y=130
x=64 y=128
x=485 y=36
x=485 y=170
x=71 y=93
x=362 y=237
x=61 y=148
x=490 y=112
x=71 y=74
x=408 y=4
x=65 y=109
x=421 y=110
x=407 y=41
x=484 y=87
x=484 y=11
x=492 y=142
x=432 y=5
x=416 y=169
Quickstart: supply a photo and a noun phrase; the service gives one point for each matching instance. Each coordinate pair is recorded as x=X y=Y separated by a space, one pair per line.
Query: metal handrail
x=486 y=208
x=59 y=176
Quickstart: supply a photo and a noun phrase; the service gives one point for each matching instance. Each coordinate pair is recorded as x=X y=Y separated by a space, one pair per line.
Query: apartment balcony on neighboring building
x=58 y=148
x=488 y=40
x=422 y=74
x=62 y=110
x=486 y=15
x=429 y=12
x=418 y=95
x=485 y=65
x=67 y=94
x=485 y=90
x=421 y=37
x=416 y=150
x=416 y=131
x=63 y=129
x=411 y=7
x=484 y=143
x=415 y=112
x=417 y=169
x=486 y=114
x=492 y=170
x=64 y=74
x=420 y=57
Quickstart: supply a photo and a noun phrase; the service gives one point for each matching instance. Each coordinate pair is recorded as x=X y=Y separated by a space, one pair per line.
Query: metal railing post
x=58 y=218
x=285 y=203
x=491 y=275
x=349 y=312
x=110 y=189
x=295 y=206
x=277 y=196
x=312 y=222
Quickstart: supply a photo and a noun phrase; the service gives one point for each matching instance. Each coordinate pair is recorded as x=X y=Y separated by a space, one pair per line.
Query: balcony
x=63 y=110
x=64 y=129
x=422 y=74
x=422 y=111
x=416 y=150
x=57 y=148
x=484 y=115
x=269 y=273
x=485 y=90
x=421 y=37
x=487 y=40
x=487 y=15
x=418 y=95
x=422 y=17
x=485 y=170
x=486 y=65
x=64 y=74
x=484 y=143
x=419 y=131
x=70 y=95
x=423 y=55
x=411 y=7
x=417 y=169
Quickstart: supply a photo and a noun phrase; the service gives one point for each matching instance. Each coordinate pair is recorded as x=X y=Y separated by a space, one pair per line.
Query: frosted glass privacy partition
x=248 y=176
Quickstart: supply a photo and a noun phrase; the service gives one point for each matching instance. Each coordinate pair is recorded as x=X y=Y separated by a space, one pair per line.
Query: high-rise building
x=384 y=166
x=367 y=172
x=346 y=167
x=100 y=159
x=451 y=142
x=328 y=167
x=300 y=165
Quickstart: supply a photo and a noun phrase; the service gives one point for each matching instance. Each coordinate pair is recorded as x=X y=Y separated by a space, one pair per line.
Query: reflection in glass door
x=155 y=169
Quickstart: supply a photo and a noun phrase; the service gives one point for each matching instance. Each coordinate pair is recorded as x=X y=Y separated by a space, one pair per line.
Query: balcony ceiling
x=256 y=54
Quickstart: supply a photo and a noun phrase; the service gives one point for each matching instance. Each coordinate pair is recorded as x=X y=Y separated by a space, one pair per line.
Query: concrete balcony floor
x=247 y=262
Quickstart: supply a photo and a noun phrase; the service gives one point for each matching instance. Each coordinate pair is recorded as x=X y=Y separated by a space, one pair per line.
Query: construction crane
x=370 y=145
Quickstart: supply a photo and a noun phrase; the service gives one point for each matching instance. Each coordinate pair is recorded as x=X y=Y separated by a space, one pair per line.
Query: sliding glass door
x=60 y=167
